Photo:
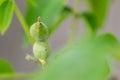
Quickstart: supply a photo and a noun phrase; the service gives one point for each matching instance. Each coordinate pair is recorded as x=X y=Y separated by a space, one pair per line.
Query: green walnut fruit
x=41 y=50
x=39 y=31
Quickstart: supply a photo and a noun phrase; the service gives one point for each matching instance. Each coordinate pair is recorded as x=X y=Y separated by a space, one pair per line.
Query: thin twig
x=23 y=23
x=73 y=28
x=16 y=75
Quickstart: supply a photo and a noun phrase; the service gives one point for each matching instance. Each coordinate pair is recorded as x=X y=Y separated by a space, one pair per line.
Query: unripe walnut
x=39 y=31
x=41 y=50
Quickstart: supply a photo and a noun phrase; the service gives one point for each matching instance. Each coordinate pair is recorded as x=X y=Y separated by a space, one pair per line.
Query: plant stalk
x=23 y=23
x=18 y=75
x=73 y=27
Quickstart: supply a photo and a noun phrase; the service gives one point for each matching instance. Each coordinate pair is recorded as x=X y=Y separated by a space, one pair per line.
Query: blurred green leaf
x=31 y=2
x=111 y=44
x=100 y=9
x=108 y=40
x=84 y=60
x=97 y=16
x=90 y=19
x=6 y=12
x=2 y=1
x=5 y=68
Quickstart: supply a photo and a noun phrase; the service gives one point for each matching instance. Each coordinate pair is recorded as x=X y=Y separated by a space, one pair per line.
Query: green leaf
x=111 y=44
x=5 y=67
x=100 y=9
x=98 y=13
x=107 y=40
x=6 y=13
x=91 y=20
x=2 y=1
x=84 y=60
x=31 y=2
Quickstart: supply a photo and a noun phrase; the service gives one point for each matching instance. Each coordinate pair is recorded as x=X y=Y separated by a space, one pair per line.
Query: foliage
x=85 y=61
x=86 y=58
x=97 y=15
x=5 y=18
x=5 y=68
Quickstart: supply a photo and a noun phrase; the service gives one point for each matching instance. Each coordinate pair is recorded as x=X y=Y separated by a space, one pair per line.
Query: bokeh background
x=12 y=49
